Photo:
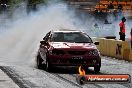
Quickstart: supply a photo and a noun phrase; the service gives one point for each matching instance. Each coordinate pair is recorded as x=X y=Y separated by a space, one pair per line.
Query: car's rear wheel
x=39 y=62
x=96 y=69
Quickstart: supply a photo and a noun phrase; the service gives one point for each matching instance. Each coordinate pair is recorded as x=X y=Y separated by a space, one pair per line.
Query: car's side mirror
x=96 y=43
x=44 y=38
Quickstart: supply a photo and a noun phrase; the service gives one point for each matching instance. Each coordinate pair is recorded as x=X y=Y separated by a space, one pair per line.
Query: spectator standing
x=122 y=29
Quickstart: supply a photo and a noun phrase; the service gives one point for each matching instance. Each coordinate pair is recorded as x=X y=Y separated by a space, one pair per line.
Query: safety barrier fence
x=115 y=48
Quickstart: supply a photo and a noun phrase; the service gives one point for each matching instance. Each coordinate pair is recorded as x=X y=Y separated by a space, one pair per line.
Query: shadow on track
x=70 y=70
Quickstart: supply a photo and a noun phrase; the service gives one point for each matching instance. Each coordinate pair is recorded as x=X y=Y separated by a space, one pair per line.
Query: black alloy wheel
x=39 y=62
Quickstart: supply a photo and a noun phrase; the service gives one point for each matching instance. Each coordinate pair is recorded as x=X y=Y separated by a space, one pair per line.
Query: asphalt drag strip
x=35 y=78
x=16 y=78
x=68 y=79
x=31 y=77
x=71 y=74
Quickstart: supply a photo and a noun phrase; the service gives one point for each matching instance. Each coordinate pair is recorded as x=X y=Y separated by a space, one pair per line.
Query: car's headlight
x=56 y=52
x=93 y=53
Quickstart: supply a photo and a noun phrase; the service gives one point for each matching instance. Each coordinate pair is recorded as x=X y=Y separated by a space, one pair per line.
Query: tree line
x=10 y=4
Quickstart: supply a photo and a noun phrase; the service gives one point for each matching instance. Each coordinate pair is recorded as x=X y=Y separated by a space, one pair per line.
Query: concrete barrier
x=126 y=45
x=121 y=46
x=108 y=46
x=112 y=47
x=126 y=50
x=130 y=56
x=119 y=49
x=126 y=54
x=101 y=45
x=105 y=47
x=115 y=48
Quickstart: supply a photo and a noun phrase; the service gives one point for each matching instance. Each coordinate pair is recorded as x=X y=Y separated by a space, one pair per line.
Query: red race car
x=68 y=48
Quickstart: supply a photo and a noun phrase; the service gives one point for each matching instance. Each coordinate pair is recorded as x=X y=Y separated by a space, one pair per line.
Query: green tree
x=37 y=1
x=32 y=4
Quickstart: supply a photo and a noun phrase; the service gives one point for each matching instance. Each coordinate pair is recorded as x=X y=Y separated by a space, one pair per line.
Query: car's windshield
x=74 y=37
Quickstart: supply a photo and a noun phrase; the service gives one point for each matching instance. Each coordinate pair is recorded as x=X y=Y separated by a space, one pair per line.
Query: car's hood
x=73 y=45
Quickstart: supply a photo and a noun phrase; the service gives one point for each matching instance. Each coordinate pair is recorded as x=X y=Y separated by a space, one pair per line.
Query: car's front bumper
x=68 y=60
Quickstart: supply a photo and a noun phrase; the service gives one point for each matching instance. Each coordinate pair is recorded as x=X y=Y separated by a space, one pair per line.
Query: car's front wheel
x=85 y=68
x=96 y=69
x=39 y=62
x=48 y=65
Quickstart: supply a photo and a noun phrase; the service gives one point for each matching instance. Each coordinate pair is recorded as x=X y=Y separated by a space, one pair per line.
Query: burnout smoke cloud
x=22 y=33
x=20 y=42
